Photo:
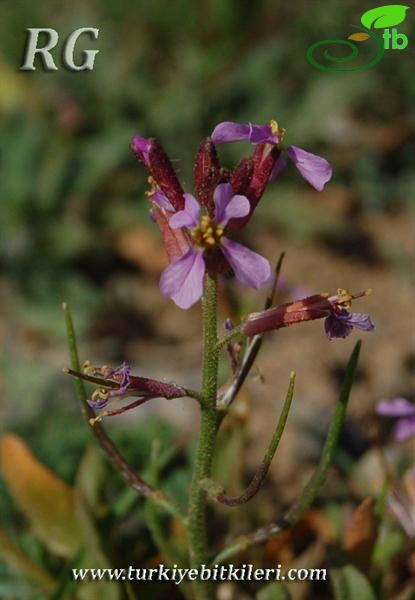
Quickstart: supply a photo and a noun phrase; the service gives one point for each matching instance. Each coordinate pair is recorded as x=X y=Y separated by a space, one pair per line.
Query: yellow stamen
x=97 y=419
x=277 y=130
x=153 y=186
x=87 y=368
x=207 y=234
x=274 y=127
x=100 y=394
x=345 y=299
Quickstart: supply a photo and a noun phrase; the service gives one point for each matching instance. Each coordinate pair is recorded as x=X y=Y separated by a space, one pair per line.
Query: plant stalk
x=197 y=521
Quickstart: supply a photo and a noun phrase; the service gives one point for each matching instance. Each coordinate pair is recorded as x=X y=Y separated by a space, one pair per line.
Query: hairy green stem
x=197 y=523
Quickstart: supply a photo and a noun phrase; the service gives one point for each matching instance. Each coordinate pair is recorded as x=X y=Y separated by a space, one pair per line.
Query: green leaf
x=273 y=591
x=349 y=583
x=18 y=561
x=384 y=16
x=90 y=479
x=94 y=558
x=389 y=544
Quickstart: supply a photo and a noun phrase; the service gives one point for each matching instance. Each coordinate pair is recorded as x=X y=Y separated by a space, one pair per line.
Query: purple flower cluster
x=194 y=229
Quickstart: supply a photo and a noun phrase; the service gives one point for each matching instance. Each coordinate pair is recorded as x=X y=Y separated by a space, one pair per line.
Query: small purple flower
x=404 y=411
x=119 y=383
x=338 y=320
x=182 y=280
x=314 y=169
x=340 y=323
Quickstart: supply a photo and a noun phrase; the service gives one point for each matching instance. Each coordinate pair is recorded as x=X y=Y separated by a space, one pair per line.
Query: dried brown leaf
x=361 y=534
x=47 y=501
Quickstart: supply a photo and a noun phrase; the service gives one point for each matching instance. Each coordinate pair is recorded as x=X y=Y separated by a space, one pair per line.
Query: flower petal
x=340 y=324
x=336 y=328
x=227 y=205
x=228 y=131
x=249 y=267
x=98 y=403
x=398 y=407
x=182 y=281
x=315 y=169
x=280 y=164
x=189 y=216
x=160 y=198
x=404 y=429
x=361 y=321
x=262 y=133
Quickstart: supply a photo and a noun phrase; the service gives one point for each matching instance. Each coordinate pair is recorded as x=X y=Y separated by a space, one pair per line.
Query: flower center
x=207 y=234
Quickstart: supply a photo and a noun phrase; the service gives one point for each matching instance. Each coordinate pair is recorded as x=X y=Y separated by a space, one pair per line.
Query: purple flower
x=404 y=411
x=314 y=169
x=182 y=280
x=119 y=383
x=338 y=320
x=340 y=323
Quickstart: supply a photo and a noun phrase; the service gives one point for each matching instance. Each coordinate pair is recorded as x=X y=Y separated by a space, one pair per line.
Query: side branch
x=220 y=495
x=126 y=471
x=293 y=515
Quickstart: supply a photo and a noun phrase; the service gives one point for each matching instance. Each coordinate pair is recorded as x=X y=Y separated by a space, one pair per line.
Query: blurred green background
x=74 y=220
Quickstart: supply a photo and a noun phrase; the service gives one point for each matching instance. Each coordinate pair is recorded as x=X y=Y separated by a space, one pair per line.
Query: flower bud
x=252 y=176
x=207 y=173
x=176 y=241
x=164 y=174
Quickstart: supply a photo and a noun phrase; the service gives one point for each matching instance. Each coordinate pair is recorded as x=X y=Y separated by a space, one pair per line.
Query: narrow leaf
x=350 y=584
x=90 y=479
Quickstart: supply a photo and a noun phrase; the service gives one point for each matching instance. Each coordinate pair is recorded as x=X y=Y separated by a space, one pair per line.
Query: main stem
x=197 y=525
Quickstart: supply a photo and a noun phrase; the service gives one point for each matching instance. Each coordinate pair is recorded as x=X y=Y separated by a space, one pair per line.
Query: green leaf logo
x=384 y=16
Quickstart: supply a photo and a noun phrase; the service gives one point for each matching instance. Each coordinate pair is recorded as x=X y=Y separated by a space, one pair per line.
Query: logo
x=52 y=38
x=382 y=17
